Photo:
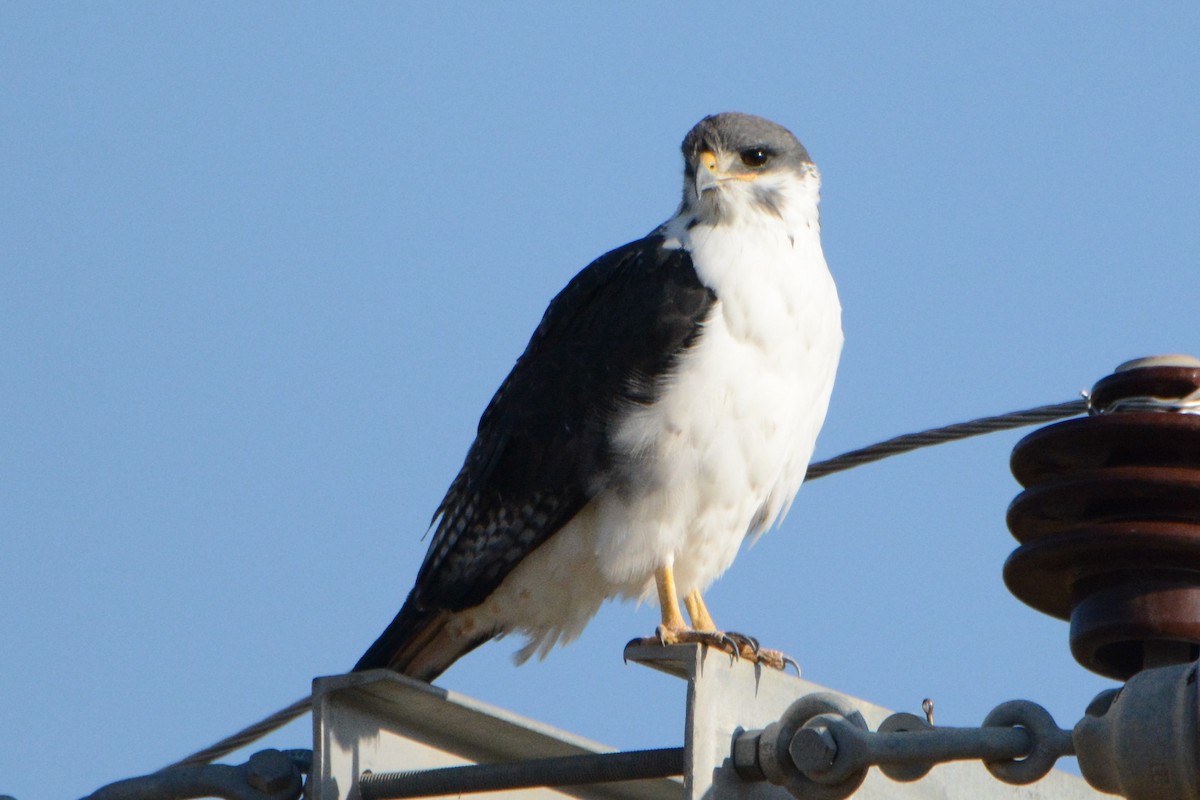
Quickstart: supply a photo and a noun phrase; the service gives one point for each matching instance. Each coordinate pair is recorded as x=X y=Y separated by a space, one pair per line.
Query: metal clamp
x=1143 y=740
x=268 y=775
x=821 y=749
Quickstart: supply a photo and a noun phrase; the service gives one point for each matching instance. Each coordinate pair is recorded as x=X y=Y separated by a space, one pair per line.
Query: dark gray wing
x=543 y=447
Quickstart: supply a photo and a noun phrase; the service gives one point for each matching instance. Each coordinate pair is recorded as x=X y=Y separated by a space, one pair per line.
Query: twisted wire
x=853 y=458
x=245 y=736
x=948 y=433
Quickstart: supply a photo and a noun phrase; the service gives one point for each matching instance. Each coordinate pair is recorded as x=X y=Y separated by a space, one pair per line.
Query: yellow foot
x=664 y=636
x=737 y=645
x=674 y=630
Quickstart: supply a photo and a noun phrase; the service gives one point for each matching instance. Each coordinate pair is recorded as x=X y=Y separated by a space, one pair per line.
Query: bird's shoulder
x=629 y=311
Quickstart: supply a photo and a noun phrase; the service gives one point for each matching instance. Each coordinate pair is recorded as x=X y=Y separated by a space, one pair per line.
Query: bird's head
x=737 y=164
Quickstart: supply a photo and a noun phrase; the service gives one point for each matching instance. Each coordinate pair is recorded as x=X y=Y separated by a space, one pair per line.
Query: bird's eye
x=755 y=157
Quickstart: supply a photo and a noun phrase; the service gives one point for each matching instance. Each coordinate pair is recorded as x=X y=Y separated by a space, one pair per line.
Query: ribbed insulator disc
x=1109 y=522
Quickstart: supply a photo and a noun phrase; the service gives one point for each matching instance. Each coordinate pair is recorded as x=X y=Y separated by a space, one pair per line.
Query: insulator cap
x=1109 y=522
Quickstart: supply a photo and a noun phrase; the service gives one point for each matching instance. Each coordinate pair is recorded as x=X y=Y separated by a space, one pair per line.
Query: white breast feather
x=725 y=447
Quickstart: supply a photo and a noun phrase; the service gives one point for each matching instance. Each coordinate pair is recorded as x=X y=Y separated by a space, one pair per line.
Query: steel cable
x=948 y=433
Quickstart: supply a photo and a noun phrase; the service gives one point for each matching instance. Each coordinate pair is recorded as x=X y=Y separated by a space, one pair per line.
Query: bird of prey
x=665 y=409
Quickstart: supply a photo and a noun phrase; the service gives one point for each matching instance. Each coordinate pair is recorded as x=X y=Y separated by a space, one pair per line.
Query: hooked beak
x=707 y=173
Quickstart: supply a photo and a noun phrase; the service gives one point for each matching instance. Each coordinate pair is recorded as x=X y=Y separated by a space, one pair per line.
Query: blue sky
x=264 y=265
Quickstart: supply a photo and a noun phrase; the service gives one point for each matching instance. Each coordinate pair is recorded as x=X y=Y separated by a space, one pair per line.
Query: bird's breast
x=723 y=449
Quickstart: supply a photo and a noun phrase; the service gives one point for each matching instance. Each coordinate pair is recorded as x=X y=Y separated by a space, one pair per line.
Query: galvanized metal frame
x=383 y=722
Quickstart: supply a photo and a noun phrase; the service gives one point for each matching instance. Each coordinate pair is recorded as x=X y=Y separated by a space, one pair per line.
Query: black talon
x=719 y=640
x=789 y=660
x=748 y=641
x=735 y=652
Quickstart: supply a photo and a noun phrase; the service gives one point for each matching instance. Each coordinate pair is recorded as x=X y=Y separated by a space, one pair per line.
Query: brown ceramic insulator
x=1109 y=522
x=1156 y=381
x=1142 y=438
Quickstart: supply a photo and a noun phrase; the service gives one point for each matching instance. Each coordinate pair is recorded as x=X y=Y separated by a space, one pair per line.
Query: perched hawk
x=665 y=409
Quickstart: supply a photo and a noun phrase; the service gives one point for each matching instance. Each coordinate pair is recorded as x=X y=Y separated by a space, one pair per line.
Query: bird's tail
x=418 y=643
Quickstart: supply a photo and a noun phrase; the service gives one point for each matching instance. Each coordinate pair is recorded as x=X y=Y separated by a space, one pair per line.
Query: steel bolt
x=745 y=756
x=813 y=748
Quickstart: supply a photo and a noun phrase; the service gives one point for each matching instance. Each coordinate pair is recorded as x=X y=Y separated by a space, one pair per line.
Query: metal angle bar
x=560 y=771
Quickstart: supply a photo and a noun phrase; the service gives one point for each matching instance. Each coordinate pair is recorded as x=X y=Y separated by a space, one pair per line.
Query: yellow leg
x=701 y=619
x=674 y=630
x=668 y=601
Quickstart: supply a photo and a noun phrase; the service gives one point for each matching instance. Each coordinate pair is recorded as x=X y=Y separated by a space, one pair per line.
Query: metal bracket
x=379 y=722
